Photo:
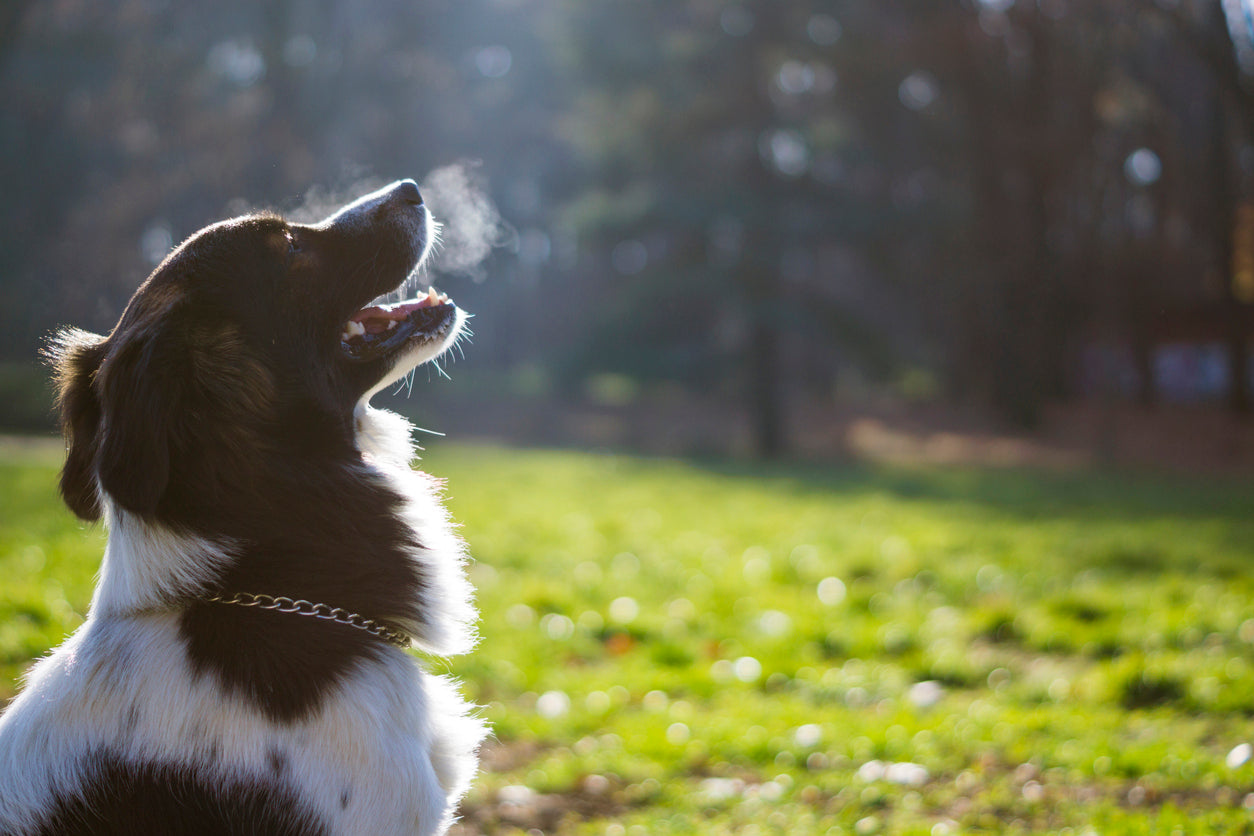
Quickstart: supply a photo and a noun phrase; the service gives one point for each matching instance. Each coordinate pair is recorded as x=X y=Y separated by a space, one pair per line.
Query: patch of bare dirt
x=517 y=808
x=1204 y=439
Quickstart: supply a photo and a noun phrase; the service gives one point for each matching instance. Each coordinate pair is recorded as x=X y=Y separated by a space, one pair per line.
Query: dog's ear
x=75 y=356
x=140 y=385
x=133 y=405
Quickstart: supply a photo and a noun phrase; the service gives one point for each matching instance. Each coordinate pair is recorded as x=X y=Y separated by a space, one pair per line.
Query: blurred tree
x=1220 y=35
x=12 y=15
x=715 y=137
x=751 y=199
x=1005 y=95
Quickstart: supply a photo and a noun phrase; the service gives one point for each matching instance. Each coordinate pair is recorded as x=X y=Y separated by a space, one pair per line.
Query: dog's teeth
x=353 y=329
x=391 y=324
x=433 y=298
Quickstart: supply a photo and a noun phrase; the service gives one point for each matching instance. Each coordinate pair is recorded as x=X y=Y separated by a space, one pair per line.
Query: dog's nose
x=407 y=190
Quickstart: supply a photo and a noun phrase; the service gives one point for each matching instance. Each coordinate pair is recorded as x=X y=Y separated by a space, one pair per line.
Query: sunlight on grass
x=677 y=647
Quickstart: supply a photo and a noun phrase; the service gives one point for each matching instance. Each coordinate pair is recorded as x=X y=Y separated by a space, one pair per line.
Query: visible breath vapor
x=471 y=226
x=468 y=222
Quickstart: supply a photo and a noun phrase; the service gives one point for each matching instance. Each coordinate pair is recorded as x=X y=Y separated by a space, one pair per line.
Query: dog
x=271 y=553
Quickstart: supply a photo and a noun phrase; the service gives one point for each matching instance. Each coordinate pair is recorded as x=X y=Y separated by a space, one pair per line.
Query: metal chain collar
x=322 y=611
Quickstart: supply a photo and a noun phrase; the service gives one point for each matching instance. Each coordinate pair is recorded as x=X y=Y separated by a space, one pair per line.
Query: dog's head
x=256 y=335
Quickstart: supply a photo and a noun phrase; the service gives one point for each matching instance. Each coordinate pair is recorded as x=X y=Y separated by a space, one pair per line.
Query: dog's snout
x=377 y=204
x=407 y=190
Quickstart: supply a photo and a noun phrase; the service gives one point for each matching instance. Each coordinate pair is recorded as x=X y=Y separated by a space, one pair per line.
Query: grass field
x=672 y=647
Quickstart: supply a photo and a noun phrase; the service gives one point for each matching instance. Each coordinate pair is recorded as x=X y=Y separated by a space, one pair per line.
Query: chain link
x=325 y=612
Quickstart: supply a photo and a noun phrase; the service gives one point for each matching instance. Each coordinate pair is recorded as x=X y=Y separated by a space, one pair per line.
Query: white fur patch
x=444 y=620
x=147 y=566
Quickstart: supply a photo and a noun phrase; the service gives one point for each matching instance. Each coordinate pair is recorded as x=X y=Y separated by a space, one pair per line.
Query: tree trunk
x=1237 y=345
x=766 y=389
x=1225 y=227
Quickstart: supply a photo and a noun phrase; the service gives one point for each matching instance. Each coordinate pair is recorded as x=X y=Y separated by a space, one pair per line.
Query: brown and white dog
x=270 y=552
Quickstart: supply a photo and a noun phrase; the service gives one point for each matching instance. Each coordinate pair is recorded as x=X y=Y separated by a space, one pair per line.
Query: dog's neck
x=152 y=565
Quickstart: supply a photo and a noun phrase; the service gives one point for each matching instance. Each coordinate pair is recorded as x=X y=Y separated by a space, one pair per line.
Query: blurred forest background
x=693 y=225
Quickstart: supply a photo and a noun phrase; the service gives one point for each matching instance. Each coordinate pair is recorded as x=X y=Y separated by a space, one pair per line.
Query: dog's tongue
x=375 y=319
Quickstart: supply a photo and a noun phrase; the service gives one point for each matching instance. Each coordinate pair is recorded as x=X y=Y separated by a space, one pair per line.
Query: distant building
x=1187 y=356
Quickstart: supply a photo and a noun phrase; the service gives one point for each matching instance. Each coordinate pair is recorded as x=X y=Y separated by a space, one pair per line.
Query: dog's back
x=116 y=733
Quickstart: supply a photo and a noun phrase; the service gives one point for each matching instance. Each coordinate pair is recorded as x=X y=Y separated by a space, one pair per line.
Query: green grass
x=674 y=647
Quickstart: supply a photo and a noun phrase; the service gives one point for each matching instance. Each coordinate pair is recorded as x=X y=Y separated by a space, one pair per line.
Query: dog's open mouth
x=378 y=330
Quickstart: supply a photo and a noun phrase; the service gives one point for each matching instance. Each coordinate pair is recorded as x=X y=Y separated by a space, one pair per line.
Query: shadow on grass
x=1123 y=510
x=1020 y=492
